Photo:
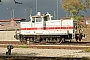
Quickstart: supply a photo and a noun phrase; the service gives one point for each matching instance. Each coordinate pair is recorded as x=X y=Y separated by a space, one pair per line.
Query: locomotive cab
x=40 y=18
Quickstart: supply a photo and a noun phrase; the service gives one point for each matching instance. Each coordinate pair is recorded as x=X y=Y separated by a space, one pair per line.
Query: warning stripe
x=46 y=28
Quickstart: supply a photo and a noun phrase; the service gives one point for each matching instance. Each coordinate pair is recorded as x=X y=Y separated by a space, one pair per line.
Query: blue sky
x=19 y=9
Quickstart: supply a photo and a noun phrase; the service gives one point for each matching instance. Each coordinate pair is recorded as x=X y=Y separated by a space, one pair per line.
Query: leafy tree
x=75 y=7
x=0 y=1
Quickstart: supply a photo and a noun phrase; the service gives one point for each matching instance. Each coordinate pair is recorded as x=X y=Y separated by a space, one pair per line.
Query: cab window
x=38 y=19
x=33 y=20
x=45 y=18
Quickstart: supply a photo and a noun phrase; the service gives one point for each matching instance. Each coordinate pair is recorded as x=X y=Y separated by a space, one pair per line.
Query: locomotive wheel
x=28 y=42
x=31 y=39
x=43 y=40
x=35 y=39
x=25 y=41
x=38 y=39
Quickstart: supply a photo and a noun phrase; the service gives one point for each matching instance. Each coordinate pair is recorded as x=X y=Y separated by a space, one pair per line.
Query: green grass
x=14 y=54
x=84 y=58
x=87 y=50
x=22 y=46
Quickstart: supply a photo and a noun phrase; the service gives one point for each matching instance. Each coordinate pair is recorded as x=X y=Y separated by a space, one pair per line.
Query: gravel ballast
x=46 y=52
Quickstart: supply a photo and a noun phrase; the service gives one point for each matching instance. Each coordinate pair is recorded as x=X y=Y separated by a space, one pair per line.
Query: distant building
x=11 y=22
x=86 y=21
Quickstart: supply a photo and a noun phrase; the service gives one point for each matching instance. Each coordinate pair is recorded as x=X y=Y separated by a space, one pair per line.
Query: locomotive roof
x=37 y=16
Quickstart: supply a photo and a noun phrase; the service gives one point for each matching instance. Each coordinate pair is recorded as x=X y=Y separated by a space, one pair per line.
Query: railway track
x=42 y=43
x=10 y=42
x=36 y=58
x=67 y=45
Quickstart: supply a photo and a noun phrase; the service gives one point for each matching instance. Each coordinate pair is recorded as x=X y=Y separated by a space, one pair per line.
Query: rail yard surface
x=47 y=50
x=63 y=50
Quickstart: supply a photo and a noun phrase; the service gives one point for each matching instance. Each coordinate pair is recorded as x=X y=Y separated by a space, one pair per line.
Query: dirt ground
x=86 y=31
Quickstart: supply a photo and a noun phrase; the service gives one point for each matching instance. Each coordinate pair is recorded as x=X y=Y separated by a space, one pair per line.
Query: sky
x=23 y=10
